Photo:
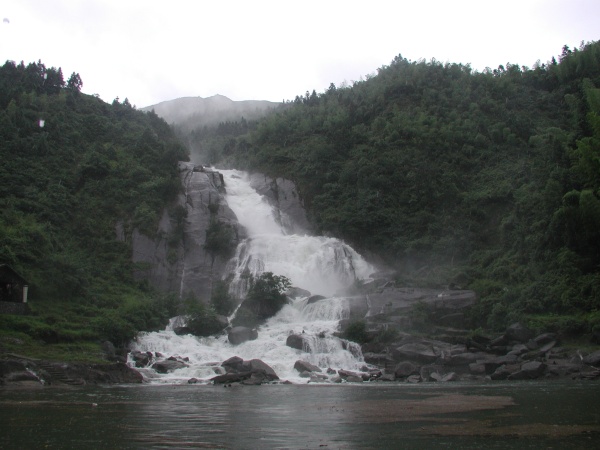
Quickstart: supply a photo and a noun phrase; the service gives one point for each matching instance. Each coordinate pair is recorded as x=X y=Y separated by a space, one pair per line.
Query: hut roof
x=8 y=275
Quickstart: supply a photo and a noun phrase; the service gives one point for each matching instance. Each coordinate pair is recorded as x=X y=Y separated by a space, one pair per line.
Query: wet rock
x=233 y=377
x=318 y=377
x=234 y=364
x=406 y=369
x=546 y=348
x=501 y=373
x=451 y=376
x=545 y=338
x=239 y=335
x=431 y=373
x=257 y=365
x=463 y=359
x=416 y=352
x=295 y=292
x=168 y=365
x=110 y=352
x=302 y=366
x=529 y=371
x=354 y=379
x=593 y=359
x=182 y=331
x=141 y=359
x=492 y=365
x=518 y=332
x=519 y=349
x=193 y=380
x=456 y=320
x=298 y=342
x=477 y=368
x=414 y=379
x=314 y=299
x=387 y=377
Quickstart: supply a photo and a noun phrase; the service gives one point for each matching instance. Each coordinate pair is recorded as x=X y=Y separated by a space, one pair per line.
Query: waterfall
x=321 y=265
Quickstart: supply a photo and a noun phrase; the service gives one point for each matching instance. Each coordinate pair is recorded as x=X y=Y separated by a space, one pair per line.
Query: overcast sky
x=151 y=51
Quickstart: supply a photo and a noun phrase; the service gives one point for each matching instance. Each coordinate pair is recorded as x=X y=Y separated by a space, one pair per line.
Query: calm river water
x=374 y=416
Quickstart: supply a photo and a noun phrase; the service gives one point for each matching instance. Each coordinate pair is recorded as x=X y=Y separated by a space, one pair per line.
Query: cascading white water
x=321 y=265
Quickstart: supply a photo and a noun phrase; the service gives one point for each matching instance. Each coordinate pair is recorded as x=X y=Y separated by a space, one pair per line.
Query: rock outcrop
x=16 y=370
x=177 y=260
x=239 y=335
x=283 y=195
x=252 y=372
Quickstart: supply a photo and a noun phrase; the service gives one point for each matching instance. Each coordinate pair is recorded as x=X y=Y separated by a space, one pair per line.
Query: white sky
x=151 y=51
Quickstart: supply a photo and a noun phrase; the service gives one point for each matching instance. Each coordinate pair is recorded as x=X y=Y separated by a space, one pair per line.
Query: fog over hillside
x=189 y=113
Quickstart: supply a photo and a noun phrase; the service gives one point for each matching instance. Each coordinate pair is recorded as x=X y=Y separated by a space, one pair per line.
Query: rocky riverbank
x=18 y=370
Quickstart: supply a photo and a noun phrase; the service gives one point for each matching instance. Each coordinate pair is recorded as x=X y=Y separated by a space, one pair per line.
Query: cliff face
x=283 y=196
x=178 y=260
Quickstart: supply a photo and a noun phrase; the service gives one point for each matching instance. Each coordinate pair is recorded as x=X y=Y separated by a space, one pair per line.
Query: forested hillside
x=488 y=180
x=72 y=168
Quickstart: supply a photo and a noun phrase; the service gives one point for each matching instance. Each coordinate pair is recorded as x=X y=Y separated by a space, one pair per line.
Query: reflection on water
x=511 y=415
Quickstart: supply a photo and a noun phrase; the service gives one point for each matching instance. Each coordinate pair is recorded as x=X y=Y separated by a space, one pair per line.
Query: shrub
x=266 y=294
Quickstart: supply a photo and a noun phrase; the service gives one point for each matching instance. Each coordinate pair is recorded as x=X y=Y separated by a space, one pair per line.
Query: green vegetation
x=264 y=299
x=202 y=319
x=488 y=180
x=74 y=169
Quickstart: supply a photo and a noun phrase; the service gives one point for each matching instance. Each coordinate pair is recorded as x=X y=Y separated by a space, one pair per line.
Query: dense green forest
x=485 y=180
x=72 y=168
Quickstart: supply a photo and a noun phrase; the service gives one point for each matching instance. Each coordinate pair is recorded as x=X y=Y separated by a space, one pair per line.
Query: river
x=503 y=415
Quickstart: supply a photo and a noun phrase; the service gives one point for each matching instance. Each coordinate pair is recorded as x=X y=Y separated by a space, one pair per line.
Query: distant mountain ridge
x=195 y=112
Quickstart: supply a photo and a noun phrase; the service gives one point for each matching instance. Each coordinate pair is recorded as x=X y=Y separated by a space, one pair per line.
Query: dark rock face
x=233 y=364
x=593 y=359
x=252 y=372
x=283 y=196
x=529 y=371
x=406 y=369
x=194 y=268
x=518 y=332
x=39 y=372
x=416 y=352
x=168 y=365
x=298 y=342
x=141 y=359
x=239 y=335
x=295 y=292
x=305 y=366
x=315 y=298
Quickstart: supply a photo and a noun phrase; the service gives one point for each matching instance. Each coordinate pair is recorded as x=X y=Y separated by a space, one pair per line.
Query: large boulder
x=141 y=359
x=529 y=371
x=168 y=365
x=234 y=364
x=257 y=365
x=251 y=372
x=239 y=335
x=416 y=351
x=593 y=359
x=518 y=332
x=203 y=191
x=305 y=366
x=298 y=341
x=406 y=369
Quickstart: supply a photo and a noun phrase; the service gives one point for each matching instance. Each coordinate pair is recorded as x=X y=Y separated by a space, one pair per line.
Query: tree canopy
x=74 y=169
x=484 y=179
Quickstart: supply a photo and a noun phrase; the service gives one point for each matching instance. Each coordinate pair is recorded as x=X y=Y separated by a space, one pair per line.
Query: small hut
x=13 y=291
